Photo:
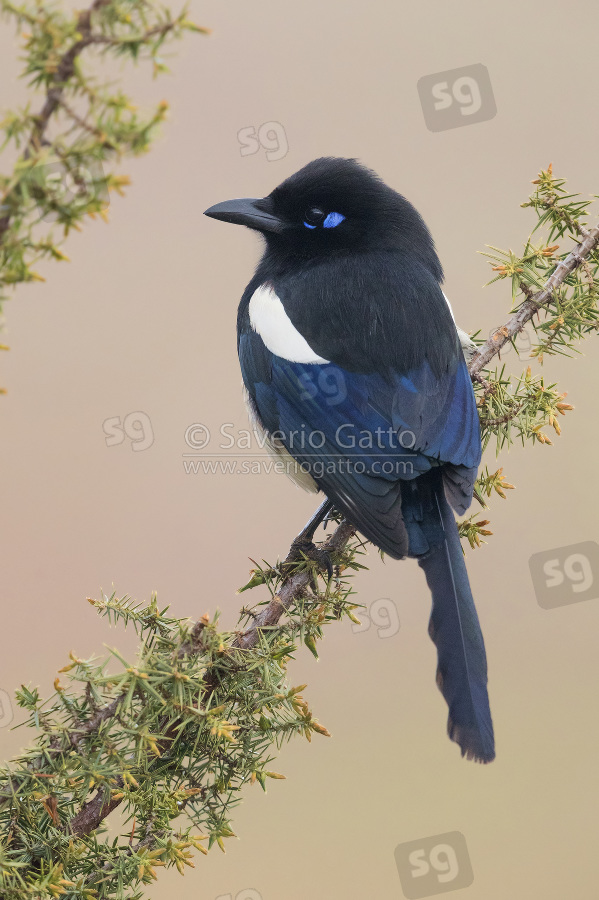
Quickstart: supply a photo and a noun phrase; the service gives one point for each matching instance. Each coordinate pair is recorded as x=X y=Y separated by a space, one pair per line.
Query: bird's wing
x=360 y=435
x=358 y=371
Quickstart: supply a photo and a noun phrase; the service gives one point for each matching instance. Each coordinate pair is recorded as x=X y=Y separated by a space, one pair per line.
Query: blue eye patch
x=332 y=220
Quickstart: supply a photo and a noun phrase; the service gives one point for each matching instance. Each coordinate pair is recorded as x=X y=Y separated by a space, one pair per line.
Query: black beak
x=253 y=213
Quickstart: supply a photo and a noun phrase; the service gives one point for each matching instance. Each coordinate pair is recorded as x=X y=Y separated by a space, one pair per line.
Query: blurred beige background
x=143 y=319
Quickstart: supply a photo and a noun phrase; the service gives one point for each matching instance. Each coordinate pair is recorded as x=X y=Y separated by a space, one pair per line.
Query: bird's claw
x=323 y=559
x=320 y=556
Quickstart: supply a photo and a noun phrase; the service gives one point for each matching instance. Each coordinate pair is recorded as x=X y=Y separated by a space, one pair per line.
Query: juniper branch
x=55 y=91
x=59 y=134
x=293 y=585
x=533 y=304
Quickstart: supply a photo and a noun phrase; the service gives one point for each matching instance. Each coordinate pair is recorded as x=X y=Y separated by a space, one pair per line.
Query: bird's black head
x=336 y=206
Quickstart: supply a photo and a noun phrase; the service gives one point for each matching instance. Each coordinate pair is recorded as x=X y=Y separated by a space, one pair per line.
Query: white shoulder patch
x=269 y=319
x=468 y=346
x=449 y=305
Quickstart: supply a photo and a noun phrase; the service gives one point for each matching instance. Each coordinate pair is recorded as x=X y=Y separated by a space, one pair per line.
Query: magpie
x=354 y=369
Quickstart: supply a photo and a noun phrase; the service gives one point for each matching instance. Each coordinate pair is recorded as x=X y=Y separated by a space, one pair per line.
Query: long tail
x=454 y=625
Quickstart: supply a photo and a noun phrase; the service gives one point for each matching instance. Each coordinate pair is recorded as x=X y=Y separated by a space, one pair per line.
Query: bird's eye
x=315 y=217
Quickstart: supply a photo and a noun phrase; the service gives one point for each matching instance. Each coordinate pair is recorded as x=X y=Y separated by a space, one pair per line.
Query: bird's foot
x=305 y=548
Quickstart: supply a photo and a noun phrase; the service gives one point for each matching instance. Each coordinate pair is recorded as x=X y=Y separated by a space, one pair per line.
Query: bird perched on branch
x=353 y=367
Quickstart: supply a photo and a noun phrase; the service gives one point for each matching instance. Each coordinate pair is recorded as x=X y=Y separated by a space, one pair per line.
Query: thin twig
x=501 y=420
x=71 y=739
x=85 y=126
x=65 y=71
x=292 y=588
x=515 y=323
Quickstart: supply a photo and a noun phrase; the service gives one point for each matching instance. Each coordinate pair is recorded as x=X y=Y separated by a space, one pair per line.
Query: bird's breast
x=269 y=319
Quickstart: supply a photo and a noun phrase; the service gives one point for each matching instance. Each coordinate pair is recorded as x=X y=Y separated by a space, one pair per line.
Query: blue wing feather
x=419 y=417
x=363 y=435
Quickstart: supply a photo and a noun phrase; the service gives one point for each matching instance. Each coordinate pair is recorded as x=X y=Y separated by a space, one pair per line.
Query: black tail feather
x=454 y=625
